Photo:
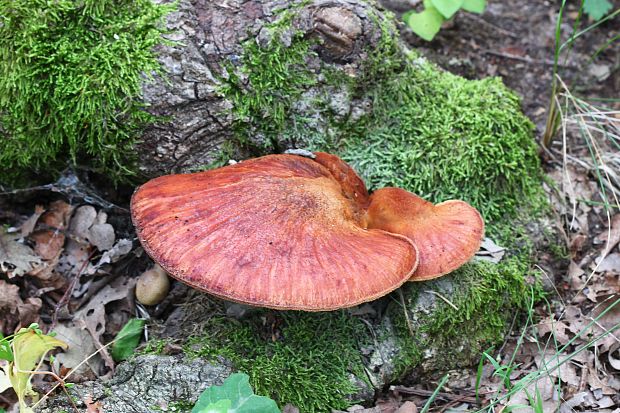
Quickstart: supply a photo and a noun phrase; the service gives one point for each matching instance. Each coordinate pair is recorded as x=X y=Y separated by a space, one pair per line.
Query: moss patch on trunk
x=71 y=74
x=426 y=130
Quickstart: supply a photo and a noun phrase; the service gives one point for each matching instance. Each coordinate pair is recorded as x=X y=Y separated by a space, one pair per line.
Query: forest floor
x=567 y=359
x=567 y=355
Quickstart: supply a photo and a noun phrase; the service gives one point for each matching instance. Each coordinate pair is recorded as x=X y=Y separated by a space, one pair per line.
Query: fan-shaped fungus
x=289 y=232
x=278 y=231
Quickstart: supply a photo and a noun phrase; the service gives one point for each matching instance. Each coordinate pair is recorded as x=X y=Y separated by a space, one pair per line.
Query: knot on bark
x=339 y=29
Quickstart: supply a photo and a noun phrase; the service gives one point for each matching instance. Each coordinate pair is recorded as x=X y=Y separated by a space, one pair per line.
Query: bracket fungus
x=298 y=233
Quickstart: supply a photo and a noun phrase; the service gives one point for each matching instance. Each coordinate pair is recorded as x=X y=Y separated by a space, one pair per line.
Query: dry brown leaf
x=47 y=276
x=610 y=263
x=610 y=237
x=16 y=258
x=102 y=236
x=89 y=226
x=574 y=275
x=557 y=328
x=74 y=258
x=120 y=249
x=28 y=226
x=582 y=399
x=576 y=243
x=93 y=314
x=92 y=407
x=596 y=383
x=605 y=402
x=546 y=387
x=554 y=363
x=82 y=220
x=48 y=243
x=81 y=347
x=407 y=407
x=14 y=311
x=57 y=215
x=587 y=329
x=611 y=356
x=490 y=251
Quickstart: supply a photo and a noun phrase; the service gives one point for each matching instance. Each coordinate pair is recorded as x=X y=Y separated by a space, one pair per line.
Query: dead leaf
x=93 y=314
x=57 y=215
x=614 y=361
x=119 y=250
x=14 y=310
x=89 y=226
x=48 y=243
x=605 y=402
x=16 y=258
x=611 y=237
x=558 y=368
x=102 y=236
x=82 y=220
x=581 y=399
x=574 y=275
x=576 y=243
x=74 y=258
x=92 y=407
x=596 y=383
x=407 y=407
x=81 y=347
x=28 y=226
x=545 y=386
x=490 y=251
x=556 y=327
x=611 y=263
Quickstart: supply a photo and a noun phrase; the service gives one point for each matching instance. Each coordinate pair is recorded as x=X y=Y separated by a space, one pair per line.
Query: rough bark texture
x=145 y=384
x=209 y=38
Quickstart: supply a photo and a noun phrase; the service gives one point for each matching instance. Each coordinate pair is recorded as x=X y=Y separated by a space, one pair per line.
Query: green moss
x=154 y=346
x=445 y=137
x=442 y=136
x=488 y=297
x=270 y=79
x=70 y=72
x=301 y=358
x=429 y=131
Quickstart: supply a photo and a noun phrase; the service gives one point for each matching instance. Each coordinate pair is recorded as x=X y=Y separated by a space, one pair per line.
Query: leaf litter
x=56 y=270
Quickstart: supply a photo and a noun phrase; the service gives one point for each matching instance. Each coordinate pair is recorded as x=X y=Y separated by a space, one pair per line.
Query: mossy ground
x=71 y=73
x=293 y=357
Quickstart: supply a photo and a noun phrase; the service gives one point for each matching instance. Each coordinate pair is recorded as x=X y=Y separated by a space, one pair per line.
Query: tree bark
x=209 y=38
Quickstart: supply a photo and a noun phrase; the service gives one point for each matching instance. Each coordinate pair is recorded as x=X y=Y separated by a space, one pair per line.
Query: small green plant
x=23 y=353
x=127 y=339
x=597 y=9
x=427 y=23
x=234 y=395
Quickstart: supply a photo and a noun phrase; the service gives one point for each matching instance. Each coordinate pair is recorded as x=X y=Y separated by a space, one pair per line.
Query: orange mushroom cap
x=447 y=234
x=280 y=231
